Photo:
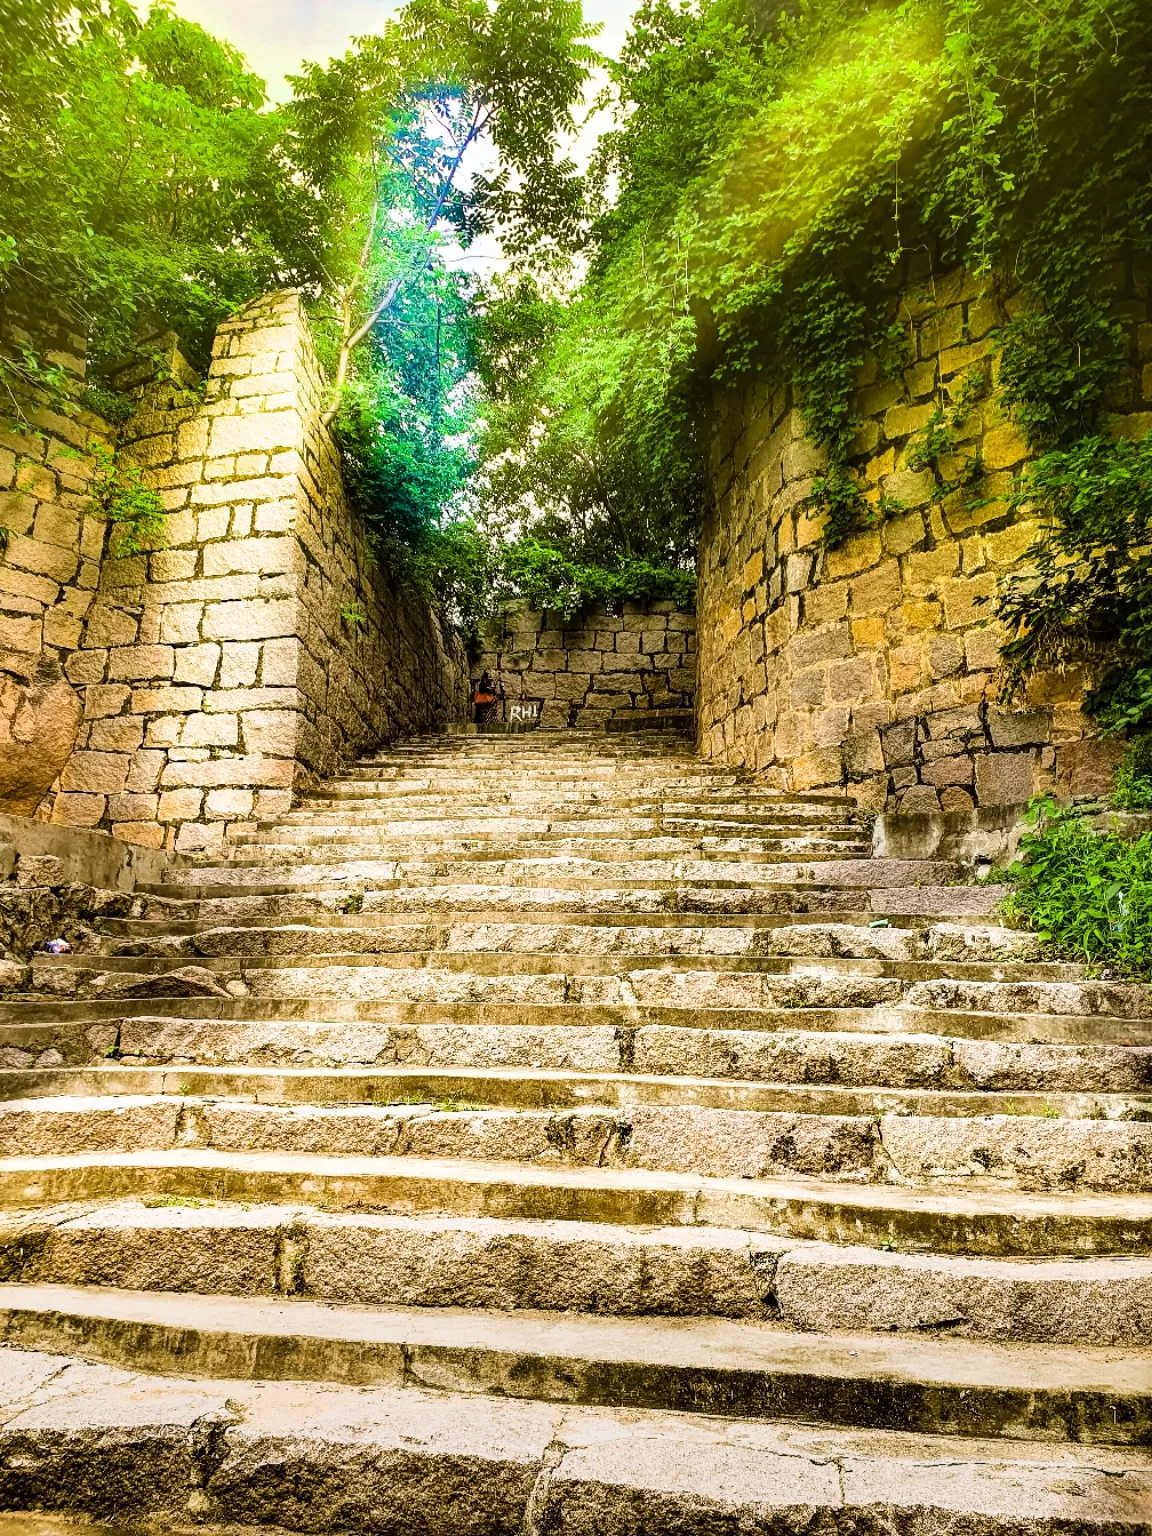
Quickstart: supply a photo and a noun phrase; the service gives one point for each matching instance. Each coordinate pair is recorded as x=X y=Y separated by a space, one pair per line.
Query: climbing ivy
x=784 y=173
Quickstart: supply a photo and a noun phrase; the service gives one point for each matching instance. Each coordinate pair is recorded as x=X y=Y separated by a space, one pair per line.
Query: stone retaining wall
x=599 y=667
x=256 y=646
x=874 y=666
x=50 y=552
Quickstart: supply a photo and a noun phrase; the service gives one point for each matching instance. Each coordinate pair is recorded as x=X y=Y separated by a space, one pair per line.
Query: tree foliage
x=775 y=173
x=145 y=184
x=140 y=183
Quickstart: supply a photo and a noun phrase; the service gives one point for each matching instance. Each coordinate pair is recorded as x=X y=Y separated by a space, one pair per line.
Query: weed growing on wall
x=1132 y=789
x=1087 y=895
x=137 y=515
x=1086 y=592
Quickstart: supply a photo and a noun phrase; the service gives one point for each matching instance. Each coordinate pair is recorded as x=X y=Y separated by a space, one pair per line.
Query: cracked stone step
x=785 y=1058
x=400 y=1261
x=576 y=835
x=897 y=905
x=418 y=854
x=700 y=1365
x=972 y=1222
x=925 y=1150
x=939 y=944
x=356 y=1259
x=375 y=980
x=191 y=992
x=94 y=1440
x=576 y=873
x=234 y=954
x=170 y=919
x=585 y=830
x=522 y=1088
x=1003 y=1151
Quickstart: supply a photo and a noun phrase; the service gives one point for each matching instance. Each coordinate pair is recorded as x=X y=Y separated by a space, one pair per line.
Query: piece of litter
x=881 y=922
x=57 y=947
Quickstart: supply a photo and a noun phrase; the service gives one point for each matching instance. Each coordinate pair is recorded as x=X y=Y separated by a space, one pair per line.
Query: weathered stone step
x=442 y=1261
x=413 y=1463
x=405 y=801
x=570 y=873
x=563 y=1027
x=452 y=1088
x=414 y=858
x=226 y=957
x=503 y=979
x=807 y=1058
x=958 y=946
x=900 y=906
x=177 y=918
x=587 y=874
x=498 y=822
x=607 y=849
x=193 y=993
x=916 y=1151
x=973 y=1222
x=703 y=1365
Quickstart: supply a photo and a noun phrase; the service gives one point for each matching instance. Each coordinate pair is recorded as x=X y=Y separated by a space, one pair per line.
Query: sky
x=277 y=34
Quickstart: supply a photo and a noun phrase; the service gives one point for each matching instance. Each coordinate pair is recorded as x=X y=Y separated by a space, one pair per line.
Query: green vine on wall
x=786 y=174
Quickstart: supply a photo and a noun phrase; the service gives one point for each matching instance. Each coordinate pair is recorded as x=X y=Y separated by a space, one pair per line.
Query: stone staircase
x=554 y=1134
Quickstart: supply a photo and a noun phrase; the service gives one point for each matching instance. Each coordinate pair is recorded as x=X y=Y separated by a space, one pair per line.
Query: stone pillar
x=257 y=646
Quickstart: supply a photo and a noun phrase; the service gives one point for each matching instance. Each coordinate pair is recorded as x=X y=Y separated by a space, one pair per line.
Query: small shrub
x=1087 y=895
x=136 y=512
x=1133 y=788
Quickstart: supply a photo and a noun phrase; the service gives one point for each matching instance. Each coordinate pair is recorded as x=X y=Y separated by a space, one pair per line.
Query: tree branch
x=353 y=338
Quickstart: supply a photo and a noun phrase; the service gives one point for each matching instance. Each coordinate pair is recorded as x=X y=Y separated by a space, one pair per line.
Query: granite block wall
x=256 y=646
x=51 y=545
x=873 y=668
x=598 y=667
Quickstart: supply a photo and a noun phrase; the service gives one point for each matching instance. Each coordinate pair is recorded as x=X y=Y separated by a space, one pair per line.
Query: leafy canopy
x=775 y=173
x=145 y=185
x=140 y=183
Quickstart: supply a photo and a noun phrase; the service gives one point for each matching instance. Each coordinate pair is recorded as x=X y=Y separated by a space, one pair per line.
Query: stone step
x=194 y=994
x=937 y=945
x=507 y=979
x=441 y=1261
x=497 y=822
x=409 y=1462
x=930 y=1089
x=990 y=1223
x=928 y=1150
x=191 y=992
x=561 y=873
x=586 y=874
x=732 y=1367
x=900 y=906
x=137 y=958
x=807 y=1058
x=555 y=805
x=607 y=849
x=735 y=985
x=160 y=918
x=415 y=858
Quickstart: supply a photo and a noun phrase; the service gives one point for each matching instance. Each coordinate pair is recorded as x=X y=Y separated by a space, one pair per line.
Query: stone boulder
x=39 y=720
